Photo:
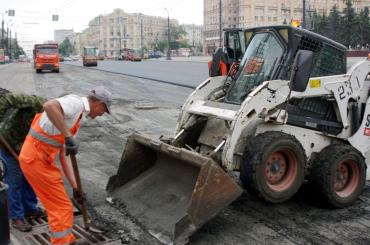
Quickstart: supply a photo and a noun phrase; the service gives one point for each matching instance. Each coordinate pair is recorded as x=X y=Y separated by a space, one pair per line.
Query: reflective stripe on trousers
x=60 y=234
x=44 y=139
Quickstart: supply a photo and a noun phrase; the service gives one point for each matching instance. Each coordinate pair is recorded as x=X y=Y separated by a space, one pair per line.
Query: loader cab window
x=233 y=45
x=258 y=64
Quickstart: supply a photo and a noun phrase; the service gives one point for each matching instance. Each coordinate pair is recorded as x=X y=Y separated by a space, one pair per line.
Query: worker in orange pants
x=52 y=134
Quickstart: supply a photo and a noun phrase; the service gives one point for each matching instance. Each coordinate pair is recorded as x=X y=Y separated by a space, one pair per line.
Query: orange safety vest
x=38 y=158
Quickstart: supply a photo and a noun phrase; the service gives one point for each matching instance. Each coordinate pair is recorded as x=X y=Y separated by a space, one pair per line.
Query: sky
x=33 y=18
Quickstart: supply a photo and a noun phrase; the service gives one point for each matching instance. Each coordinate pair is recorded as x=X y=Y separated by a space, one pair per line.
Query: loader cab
x=231 y=52
x=234 y=43
x=270 y=53
x=260 y=63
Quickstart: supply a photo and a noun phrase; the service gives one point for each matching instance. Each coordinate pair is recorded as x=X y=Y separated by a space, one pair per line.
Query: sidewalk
x=202 y=59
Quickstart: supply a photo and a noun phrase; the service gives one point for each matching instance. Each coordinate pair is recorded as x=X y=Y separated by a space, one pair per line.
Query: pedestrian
x=16 y=114
x=50 y=139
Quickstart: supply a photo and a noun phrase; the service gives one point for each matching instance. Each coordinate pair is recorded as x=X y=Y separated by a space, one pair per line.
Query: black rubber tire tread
x=323 y=173
x=256 y=154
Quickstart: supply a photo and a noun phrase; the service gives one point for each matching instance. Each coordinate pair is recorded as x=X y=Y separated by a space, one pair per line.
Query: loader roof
x=301 y=32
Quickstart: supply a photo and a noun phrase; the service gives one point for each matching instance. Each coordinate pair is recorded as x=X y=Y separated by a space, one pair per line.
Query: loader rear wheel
x=273 y=166
x=338 y=175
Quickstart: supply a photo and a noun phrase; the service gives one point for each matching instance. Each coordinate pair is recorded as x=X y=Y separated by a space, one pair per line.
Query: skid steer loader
x=291 y=113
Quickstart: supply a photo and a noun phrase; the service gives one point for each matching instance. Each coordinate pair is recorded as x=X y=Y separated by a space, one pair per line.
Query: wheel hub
x=341 y=177
x=275 y=168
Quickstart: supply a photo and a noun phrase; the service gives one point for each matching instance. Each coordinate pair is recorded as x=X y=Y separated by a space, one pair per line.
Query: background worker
x=51 y=137
x=16 y=114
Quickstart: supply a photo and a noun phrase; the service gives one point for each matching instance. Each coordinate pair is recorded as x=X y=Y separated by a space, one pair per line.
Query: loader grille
x=43 y=238
x=38 y=221
x=40 y=234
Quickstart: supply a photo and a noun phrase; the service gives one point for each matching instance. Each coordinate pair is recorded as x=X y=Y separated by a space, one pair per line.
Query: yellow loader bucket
x=172 y=192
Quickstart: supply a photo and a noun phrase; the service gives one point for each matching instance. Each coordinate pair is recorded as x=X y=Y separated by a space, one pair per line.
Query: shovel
x=7 y=146
x=82 y=206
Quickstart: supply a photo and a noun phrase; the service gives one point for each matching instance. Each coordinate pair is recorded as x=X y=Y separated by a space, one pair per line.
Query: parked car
x=76 y=58
x=134 y=55
x=155 y=54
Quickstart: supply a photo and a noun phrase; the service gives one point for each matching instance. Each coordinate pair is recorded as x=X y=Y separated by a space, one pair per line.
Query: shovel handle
x=79 y=188
x=8 y=147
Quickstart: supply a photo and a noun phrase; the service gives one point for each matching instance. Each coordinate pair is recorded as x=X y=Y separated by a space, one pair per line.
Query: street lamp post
x=220 y=19
x=2 y=32
x=168 y=35
x=10 y=44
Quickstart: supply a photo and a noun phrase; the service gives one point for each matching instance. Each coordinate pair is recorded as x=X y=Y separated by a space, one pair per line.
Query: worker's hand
x=71 y=146
x=78 y=196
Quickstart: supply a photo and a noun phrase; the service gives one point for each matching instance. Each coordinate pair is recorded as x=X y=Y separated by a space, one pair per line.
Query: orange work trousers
x=38 y=163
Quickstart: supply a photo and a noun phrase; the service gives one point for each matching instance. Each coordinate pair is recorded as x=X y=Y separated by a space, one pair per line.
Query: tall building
x=194 y=36
x=119 y=30
x=249 y=13
x=60 y=35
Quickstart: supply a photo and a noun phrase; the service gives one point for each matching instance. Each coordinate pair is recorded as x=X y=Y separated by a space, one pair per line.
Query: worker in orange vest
x=50 y=139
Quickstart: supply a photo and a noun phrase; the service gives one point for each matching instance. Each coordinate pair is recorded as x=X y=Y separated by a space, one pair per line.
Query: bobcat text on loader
x=291 y=112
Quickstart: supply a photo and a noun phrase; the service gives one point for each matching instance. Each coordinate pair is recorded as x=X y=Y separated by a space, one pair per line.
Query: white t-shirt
x=72 y=105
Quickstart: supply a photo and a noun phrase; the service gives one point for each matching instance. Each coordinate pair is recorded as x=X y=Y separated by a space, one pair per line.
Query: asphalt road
x=141 y=105
x=189 y=73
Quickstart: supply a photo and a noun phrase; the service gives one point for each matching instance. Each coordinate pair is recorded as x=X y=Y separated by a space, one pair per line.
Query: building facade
x=250 y=13
x=194 y=36
x=119 y=30
x=60 y=35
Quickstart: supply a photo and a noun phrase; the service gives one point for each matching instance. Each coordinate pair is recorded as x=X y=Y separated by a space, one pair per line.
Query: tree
x=348 y=24
x=334 y=23
x=177 y=34
x=162 y=45
x=321 y=25
x=364 y=27
x=66 y=47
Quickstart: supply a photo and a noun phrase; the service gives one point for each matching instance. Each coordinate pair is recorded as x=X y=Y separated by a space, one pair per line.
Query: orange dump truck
x=46 y=57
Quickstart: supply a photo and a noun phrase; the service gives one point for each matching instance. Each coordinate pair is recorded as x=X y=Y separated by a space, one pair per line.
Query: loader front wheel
x=338 y=175
x=273 y=166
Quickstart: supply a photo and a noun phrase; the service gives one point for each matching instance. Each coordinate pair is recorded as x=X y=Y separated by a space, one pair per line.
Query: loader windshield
x=258 y=64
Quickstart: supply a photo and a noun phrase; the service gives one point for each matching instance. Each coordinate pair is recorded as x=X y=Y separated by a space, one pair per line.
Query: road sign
x=11 y=12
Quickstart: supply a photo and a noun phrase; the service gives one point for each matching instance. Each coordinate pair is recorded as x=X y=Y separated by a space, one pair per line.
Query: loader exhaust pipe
x=171 y=191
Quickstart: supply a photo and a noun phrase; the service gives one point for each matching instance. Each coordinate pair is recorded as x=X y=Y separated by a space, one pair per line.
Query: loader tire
x=338 y=175
x=273 y=166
